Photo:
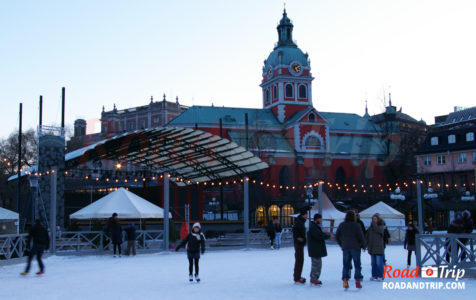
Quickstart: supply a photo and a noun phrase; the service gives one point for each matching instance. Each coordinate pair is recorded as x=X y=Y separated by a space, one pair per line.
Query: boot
x=346 y=283
x=357 y=284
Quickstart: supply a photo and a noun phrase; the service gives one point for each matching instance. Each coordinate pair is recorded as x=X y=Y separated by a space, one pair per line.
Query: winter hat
x=131 y=224
x=197 y=225
x=317 y=217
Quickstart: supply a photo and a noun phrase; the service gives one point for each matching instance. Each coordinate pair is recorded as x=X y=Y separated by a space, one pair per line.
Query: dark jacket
x=375 y=239
x=349 y=235
x=299 y=230
x=195 y=242
x=115 y=229
x=316 y=241
x=456 y=226
x=410 y=238
x=278 y=228
x=270 y=230
x=39 y=235
x=130 y=233
x=361 y=225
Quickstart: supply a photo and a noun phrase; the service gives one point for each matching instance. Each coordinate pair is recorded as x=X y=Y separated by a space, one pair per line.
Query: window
x=434 y=141
x=155 y=120
x=462 y=158
x=427 y=161
x=441 y=159
x=302 y=91
x=312 y=141
x=451 y=139
x=130 y=125
x=312 y=117
x=267 y=97
x=275 y=93
x=142 y=124
x=289 y=90
x=470 y=136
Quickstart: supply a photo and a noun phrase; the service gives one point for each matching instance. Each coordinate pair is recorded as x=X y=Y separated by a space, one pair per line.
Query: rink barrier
x=447 y=249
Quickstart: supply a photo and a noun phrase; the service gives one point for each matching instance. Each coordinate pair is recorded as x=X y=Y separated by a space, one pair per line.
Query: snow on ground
x=225 y=274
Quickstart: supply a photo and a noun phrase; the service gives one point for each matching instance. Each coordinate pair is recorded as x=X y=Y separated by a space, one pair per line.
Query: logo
x=429 y=272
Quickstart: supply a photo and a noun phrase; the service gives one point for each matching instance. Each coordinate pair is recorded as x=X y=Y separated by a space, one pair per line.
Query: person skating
x=115 y=230
x=299 y=238
x=41 y=242
x=278 y=229
x=456 y=226
x=351 y=239
x=316 y=246
x=131 y=239
x=409 y=242
x=271 y=232
x=376 y=246
x=195 y=242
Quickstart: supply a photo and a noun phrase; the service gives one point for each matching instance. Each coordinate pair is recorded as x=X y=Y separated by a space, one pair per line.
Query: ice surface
x=225 y=274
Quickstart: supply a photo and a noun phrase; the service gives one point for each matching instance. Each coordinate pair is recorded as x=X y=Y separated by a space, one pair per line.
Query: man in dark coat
x=271 y=232
x=299 y=238
x=316 y=248
x=131 y=239
x=41 y=242
x=351 y=239
x=115 y=229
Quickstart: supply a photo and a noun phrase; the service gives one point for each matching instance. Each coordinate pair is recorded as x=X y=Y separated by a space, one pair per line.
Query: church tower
x=287 y=75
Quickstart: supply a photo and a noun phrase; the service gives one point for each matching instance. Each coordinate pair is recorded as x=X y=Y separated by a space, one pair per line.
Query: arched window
x=312 y=117
x=267 y=97
x=302 y=91
x=260 y=217
x=286 y=211
x=312 y=141
x=275 y=93
x=273 y=211
x=289 y=90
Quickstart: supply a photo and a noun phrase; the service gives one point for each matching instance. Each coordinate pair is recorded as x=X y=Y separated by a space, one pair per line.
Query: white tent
x=390 y=215
x=8 y=221
x=127 y=205
x=331 y=216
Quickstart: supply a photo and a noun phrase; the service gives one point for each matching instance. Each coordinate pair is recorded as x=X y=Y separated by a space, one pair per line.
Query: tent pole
x=166 y=211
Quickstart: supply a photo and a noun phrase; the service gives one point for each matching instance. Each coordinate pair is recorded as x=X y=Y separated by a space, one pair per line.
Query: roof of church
x=349 y=122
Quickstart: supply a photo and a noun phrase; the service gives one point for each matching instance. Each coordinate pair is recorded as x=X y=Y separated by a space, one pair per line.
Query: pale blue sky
x=106 y=52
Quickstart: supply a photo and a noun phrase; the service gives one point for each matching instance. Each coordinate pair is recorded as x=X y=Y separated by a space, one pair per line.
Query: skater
x=456 y=226
x=131 y=239
x=351 y=239
x=195 y=244
x=271 y=232
x=409 y=242
x=316 y=248
x=376 y=246
x=41 y=242
x=115 y=229
x=278 y=229
x=299 y=237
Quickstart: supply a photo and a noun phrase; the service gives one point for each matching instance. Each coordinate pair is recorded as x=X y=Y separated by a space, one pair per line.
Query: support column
x=420 y=208
x=166 y=211
x=53 y=183
x=319 y=197
x=246 y=212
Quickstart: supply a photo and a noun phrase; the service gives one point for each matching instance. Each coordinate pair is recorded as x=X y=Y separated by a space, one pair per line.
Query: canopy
x=391 y=216
x=126 y=204
x=6 y=214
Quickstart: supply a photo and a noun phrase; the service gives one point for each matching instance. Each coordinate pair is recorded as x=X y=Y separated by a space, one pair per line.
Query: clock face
x=270 y=71
x=296 y=68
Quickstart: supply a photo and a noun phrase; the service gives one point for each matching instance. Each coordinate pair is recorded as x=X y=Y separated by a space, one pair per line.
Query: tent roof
x=6 y=214
x=329 y=212
x=186 y=153
x=384 y=210
x=126 y=204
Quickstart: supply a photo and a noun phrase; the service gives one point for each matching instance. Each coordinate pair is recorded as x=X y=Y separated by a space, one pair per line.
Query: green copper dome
x=286 y=50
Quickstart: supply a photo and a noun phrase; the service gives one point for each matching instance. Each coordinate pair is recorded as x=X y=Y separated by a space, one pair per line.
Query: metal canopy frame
x=191 y=155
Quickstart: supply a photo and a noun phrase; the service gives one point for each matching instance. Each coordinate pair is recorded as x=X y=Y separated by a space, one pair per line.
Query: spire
x=103 y=108
x=366 y=115
x=164 y=98
x=151 y=99
x=389 y=99
x=176 y=99
x=285 y=31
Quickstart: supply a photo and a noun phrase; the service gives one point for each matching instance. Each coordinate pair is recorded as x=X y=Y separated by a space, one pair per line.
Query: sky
x=211 y=51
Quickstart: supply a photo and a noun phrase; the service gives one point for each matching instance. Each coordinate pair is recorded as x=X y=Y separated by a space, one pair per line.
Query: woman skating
x=195 y=242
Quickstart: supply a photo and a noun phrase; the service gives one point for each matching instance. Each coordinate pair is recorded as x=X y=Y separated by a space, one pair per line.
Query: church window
x=312 y=118
x=267 y=97
x=289 y=90
x=275 y=93
x=312 y=141
x=302 y=91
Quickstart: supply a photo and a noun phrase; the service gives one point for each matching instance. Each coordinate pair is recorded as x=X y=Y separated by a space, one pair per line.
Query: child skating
x=195 y=242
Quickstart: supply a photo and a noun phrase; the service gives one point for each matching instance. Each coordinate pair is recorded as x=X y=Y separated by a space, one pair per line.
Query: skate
x=357 y=284
x=24 y=273
x=190 y=278
x=197 y=278
x=316 y=283
x=302 y=280
x=346 y=283
x=40 y=273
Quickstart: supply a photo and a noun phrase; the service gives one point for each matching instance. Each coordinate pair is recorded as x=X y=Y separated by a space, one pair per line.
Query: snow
x=225 y=274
